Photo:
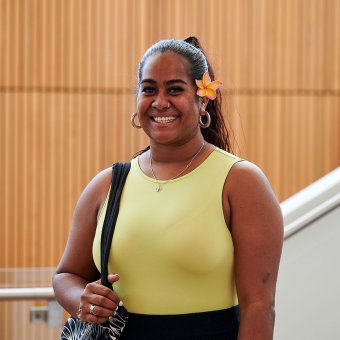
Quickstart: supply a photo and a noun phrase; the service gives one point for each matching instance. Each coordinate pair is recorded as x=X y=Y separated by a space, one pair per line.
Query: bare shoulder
x=247 y=179
x=90 y=201
x=100 y=180
x=251 y=199
x=96 y=190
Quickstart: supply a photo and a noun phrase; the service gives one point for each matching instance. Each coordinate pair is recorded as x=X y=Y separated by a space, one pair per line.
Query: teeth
x=164 y=119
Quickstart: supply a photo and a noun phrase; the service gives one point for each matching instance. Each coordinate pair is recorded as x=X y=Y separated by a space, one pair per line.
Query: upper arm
x=77 y=258
x=257 y=230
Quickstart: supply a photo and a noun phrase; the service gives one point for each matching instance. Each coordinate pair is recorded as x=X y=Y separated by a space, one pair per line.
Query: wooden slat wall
x=67 y=80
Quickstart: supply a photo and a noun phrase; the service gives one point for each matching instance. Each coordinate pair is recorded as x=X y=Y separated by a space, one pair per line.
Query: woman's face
x=165 y=81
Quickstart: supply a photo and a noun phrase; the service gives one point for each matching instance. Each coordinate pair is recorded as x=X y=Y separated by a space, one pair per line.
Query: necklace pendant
x=158 y=188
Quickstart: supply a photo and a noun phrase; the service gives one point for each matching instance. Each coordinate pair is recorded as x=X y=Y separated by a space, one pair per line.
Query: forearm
x=68 y=289
x=257 y=322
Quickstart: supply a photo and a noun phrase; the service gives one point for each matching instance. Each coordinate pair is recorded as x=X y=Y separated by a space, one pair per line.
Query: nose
x=161 y=103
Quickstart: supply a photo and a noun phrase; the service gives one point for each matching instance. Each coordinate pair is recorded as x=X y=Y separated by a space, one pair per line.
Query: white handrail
x=45 y=293
x=310 y=197
x=311 y=215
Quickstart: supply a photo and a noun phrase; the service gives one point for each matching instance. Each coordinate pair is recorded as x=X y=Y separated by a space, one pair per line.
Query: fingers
x=102 y=295
x=98 y=302
x=97 y=314
x=113 y=278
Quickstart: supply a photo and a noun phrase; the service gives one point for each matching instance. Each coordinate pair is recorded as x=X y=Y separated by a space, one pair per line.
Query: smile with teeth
x=164 y=120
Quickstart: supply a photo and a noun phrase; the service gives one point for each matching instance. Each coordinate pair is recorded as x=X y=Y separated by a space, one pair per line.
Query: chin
x=163 y=138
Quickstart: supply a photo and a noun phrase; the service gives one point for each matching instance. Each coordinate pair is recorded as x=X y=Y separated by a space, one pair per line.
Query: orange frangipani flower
x=206 y=87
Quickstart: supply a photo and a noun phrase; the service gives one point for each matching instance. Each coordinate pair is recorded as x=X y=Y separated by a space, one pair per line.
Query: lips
x=164 y=120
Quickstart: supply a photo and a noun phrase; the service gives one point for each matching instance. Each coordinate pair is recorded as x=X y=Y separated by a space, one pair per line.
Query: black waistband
x=193 y=325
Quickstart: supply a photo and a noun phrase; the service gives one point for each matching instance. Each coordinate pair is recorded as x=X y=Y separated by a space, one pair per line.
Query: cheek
x=195 y=108
x=141 y=105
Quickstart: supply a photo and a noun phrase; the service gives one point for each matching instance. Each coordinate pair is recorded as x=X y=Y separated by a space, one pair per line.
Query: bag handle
x=119 y=174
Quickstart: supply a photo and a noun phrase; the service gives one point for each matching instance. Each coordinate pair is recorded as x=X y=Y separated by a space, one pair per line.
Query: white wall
x=308 y=289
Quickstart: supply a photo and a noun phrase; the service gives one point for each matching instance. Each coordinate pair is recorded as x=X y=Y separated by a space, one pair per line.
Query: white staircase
x=308 y=290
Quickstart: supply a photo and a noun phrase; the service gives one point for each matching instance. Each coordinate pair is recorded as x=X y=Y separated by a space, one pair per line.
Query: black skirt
x=215 y=325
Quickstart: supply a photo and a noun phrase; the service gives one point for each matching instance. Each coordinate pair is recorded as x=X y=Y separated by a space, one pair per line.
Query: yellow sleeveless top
x=172 y=249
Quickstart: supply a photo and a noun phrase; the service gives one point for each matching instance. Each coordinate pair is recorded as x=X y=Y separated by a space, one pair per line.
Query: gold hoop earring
x=207 y=123
x=133 y=121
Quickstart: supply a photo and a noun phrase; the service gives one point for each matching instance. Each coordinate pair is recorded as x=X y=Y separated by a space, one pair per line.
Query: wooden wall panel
x=67 y=81
x=294 y=140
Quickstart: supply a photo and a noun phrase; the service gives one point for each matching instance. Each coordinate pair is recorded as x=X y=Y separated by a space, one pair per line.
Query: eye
x=148 y=90
x=175 y=90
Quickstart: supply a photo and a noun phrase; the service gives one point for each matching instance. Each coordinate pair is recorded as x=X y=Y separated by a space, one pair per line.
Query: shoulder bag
x=112 y=329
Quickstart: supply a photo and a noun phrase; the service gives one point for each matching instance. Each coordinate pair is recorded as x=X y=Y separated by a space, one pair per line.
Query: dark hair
x=191 y=49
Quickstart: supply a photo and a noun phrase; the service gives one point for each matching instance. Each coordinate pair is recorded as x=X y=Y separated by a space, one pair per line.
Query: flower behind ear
x=206 y=87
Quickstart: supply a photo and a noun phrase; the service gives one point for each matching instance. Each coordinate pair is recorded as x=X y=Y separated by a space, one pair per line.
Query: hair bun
x=192 y=40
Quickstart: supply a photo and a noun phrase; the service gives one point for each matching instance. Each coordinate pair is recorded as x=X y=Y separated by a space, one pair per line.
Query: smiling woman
x=167 y=104
x=198 y=238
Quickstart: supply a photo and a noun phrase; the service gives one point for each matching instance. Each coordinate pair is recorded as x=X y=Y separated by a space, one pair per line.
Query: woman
x=199 y=233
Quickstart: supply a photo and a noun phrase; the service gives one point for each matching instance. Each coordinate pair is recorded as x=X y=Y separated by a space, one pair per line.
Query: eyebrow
x=168 y=82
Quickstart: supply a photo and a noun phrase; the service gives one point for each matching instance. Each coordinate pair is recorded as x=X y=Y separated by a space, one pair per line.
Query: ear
x=204 y=103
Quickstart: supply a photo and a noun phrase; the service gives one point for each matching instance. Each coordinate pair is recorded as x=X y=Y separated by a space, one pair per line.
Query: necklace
x=158 y=188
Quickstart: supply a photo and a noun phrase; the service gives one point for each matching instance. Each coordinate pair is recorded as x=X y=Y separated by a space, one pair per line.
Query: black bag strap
x=119 y=174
